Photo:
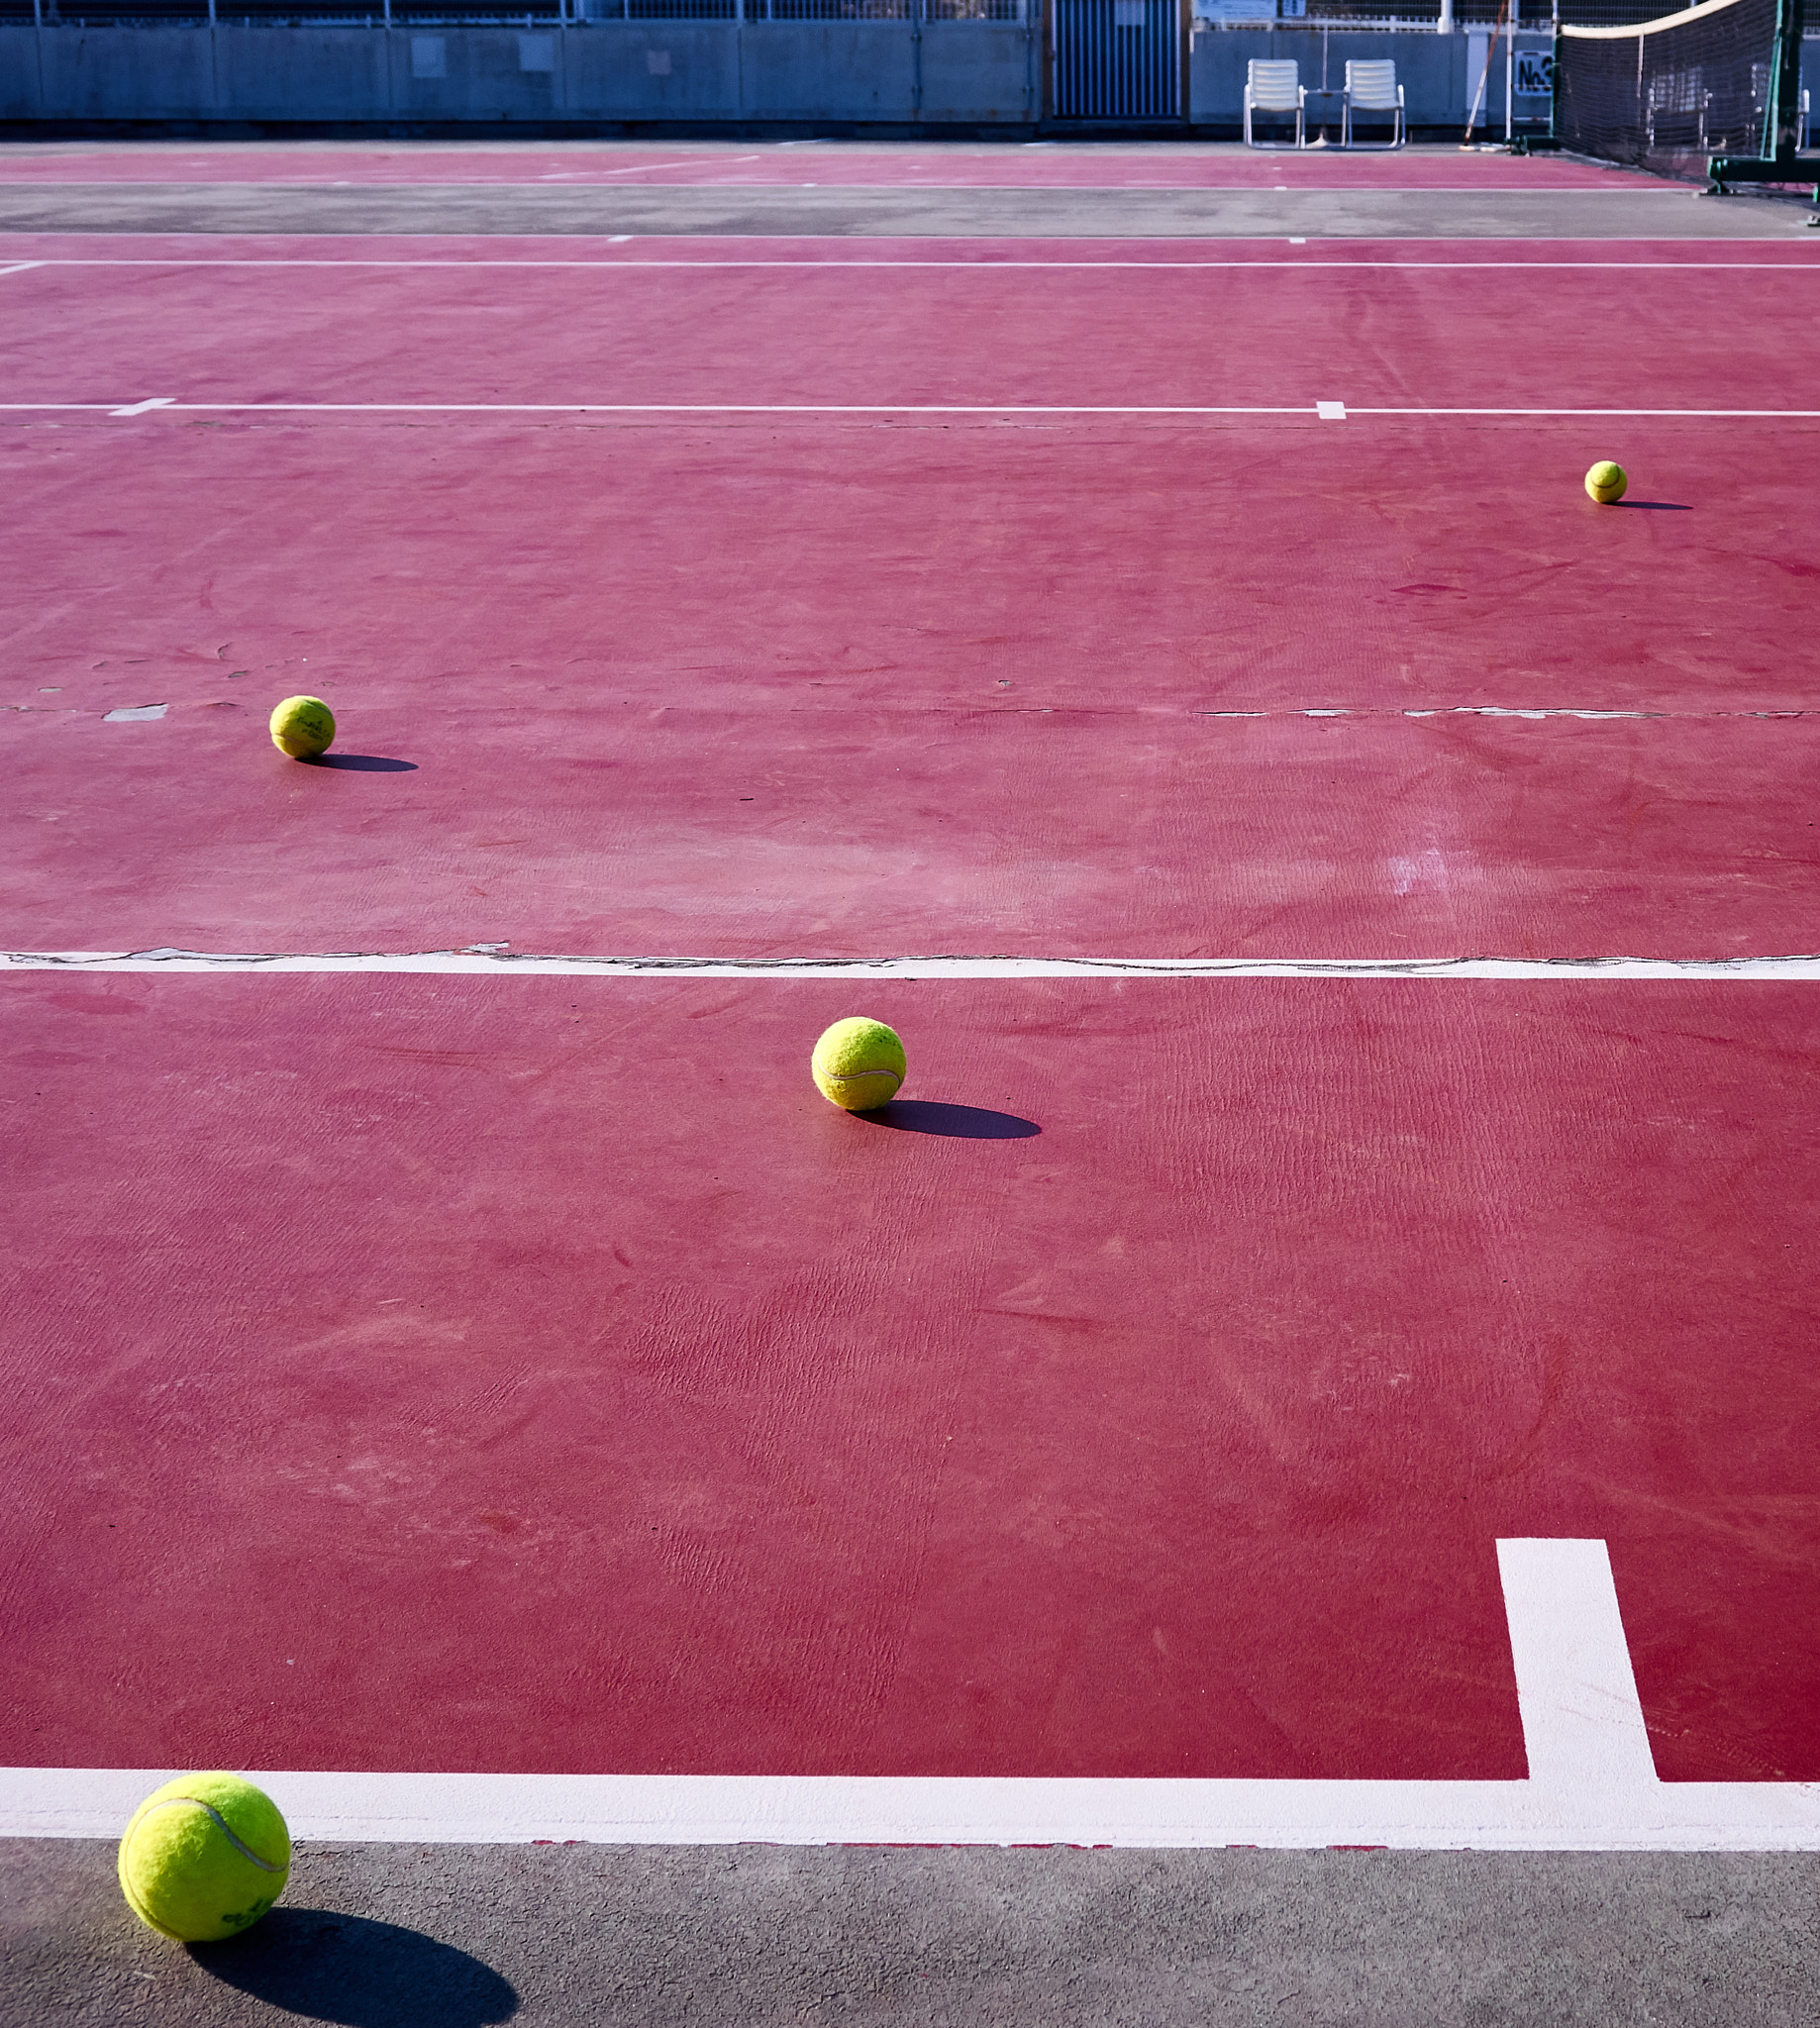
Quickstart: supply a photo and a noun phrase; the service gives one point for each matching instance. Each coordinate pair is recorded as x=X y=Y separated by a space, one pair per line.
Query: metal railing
x=85 y=14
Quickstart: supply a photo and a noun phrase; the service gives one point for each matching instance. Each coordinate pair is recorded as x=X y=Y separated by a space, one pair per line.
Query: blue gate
x=1117 y=59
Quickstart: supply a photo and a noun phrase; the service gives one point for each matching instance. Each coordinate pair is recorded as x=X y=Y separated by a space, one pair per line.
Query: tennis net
x=1720 y=78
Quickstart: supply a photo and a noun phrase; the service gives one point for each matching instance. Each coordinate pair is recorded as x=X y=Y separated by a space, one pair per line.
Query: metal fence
x=1396 y=15
x=451 y=14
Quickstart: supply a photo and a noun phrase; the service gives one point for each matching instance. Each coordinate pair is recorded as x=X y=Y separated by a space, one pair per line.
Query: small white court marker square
x=1298 y=242
x=138 y=408
x=1331 y=411
x=133 y=711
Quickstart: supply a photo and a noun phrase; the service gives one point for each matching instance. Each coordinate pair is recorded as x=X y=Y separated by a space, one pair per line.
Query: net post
x=1783 y=128
x=1778 y=160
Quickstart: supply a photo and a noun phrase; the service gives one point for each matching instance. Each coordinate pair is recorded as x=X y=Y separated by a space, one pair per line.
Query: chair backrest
x=1273 y=86
x=1371 y=84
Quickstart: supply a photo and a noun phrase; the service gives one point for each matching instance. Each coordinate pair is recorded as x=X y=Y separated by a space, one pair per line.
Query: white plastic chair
x=1371 y=88
x=1272 y=87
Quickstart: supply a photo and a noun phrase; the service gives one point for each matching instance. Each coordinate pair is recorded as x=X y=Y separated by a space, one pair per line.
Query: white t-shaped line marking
x=1583 y=1721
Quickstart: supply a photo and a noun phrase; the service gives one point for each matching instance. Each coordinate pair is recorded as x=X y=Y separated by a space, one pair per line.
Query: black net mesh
x=1664 y=97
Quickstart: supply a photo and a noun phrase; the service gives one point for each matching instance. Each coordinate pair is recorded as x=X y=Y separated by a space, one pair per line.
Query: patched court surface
x=1320 y=1355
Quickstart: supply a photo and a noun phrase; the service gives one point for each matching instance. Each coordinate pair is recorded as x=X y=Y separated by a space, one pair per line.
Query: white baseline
x=1591 y=1783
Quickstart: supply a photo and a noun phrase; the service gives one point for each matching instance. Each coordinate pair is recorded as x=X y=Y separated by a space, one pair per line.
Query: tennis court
x=1348 y=903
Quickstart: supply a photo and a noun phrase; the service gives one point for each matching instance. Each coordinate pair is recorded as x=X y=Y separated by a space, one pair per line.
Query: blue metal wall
x=1117 y=59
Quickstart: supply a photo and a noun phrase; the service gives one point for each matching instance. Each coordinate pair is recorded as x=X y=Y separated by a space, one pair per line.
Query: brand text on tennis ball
x=302 y=726
x=204 y=1858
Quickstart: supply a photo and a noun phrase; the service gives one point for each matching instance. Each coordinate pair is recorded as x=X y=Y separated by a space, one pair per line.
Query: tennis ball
x=1606 y=483
x=858 y=1065
x=302 y=726
x=204 y=1856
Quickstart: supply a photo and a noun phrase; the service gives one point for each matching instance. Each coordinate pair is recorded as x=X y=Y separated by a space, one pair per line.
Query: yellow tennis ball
x=204 y=1856
x=858 y=1065
x=1606 y=483
x=302 y=726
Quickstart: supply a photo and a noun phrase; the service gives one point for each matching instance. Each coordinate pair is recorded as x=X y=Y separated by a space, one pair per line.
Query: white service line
x=881 y=408
x=496 y=959
x=1591 y=1783
x=975 y=265
x=20 y=266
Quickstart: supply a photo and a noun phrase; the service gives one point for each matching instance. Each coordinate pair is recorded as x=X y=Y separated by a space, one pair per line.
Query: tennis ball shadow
x=361 y=763
x=345 y=1968
x=954 y=1122
x=1654 y=506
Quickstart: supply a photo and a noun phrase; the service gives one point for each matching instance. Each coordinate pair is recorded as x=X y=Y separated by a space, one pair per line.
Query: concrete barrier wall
x=887 y=72
x=1439 y=74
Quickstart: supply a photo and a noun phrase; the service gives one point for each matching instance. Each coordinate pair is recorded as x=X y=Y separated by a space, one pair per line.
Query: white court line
x=20 y=266
x=881 y=408
x=758 y=188
x=549 y=176
x=495 y=959
x=979 y=267
x=1592 y=1785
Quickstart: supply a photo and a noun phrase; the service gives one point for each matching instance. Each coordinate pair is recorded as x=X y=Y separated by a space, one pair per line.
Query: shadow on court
x=364 y=763
x=1656 y=506
x=954 y=1122
x=324 y=1967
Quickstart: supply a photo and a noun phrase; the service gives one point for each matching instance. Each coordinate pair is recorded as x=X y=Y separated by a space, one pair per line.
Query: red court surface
x=814 y=684
x=531 y=1373
x=838 y=831
x=536 y=1375
x=1031 y=166
x=1010 y=331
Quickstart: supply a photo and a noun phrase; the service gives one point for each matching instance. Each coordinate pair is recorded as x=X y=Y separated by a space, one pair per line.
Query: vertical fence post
x=916 y=10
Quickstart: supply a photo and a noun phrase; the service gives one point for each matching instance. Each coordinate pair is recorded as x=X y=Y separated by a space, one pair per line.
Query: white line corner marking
x=138 y=408
x=1592 y=1785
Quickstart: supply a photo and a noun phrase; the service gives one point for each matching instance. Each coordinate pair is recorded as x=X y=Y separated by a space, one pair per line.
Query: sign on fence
x=1535 y=74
